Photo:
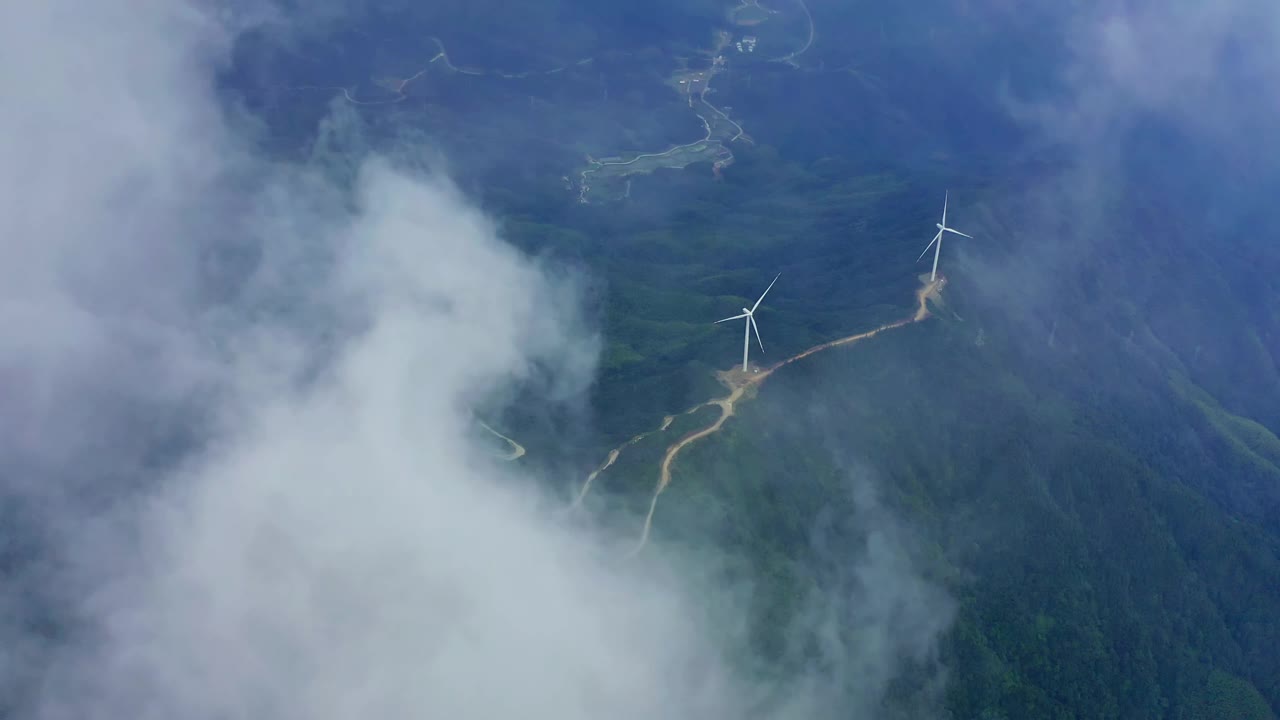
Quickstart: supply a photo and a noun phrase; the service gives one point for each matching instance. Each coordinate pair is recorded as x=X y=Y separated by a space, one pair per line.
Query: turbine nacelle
x=749 y=315
x=936 y=242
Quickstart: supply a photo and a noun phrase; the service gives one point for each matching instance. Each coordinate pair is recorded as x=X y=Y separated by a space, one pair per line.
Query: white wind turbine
x=751 y=324
x=942 y=228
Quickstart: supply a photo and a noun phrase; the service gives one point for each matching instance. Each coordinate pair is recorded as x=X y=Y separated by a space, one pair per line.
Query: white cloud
x=1207 y=67
x=336 y=547
x=332 y=545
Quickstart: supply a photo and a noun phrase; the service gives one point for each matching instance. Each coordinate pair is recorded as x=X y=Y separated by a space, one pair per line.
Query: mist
x=238 y=403
x=1158 y=109
x=238 y=473
x=1134 y=221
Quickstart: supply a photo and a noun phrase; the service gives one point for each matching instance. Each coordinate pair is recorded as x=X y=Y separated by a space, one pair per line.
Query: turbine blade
x=735 y=317
x=926 y=247
x=945 y=197
x=766 y=292
x=757 y=329
x=960 y=233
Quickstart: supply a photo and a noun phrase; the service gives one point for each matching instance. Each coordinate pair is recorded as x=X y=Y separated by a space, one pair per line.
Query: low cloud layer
x=341 y=549
x=333 y=545
x=234 y=462
x=1201 y=65
x=1157 y=136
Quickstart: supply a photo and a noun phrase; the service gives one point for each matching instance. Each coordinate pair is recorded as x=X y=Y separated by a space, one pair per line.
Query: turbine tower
x=942 y=228
x=751 y=324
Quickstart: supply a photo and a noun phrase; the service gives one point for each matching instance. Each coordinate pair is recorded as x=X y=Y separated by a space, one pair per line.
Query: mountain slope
x=1091 y=580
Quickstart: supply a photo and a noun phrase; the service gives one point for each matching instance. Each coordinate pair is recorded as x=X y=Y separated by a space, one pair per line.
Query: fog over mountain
x=248 y=333
x=239 y=472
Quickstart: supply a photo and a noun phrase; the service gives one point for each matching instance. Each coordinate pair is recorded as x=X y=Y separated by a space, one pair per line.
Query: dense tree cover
x=1092 y=580
x=1109 y=526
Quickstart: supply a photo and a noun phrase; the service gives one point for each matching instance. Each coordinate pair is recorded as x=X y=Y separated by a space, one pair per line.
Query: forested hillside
x=1095 y=577
x=1058 y=497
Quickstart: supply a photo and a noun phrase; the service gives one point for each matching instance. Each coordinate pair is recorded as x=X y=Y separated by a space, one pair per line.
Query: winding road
x=517 y=450
x=709 y=136
x=613 y=456
x=738 y=382
x=720 y=131
x=790 y=58
x=398 y=85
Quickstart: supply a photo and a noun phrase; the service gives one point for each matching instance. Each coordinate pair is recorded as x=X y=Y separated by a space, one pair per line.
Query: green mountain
x=1060 y=495
x=1092 y=483
x=1092 y=580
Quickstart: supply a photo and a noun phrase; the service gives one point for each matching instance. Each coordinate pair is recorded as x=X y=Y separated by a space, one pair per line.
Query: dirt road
x=739 y=382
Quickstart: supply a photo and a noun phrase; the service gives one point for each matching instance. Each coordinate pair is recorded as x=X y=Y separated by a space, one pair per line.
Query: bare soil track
x=738 y=382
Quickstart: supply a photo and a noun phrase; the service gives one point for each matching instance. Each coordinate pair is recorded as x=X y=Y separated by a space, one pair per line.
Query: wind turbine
x=751 y=324
x=942 y=228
